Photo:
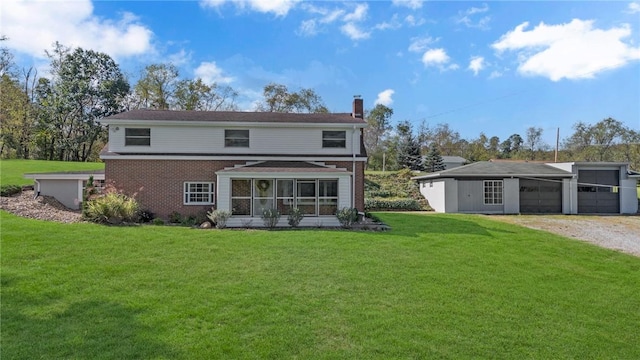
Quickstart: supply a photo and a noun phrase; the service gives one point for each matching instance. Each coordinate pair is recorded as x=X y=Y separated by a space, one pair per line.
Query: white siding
x=628 y=196
x=511 y=192
x=210 y=140
x=434 y=192
x=68 y=192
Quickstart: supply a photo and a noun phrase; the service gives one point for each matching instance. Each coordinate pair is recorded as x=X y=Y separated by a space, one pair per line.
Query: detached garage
x=514 y=187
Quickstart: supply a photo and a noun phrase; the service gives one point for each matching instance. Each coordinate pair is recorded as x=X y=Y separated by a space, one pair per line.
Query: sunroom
x=318 y=190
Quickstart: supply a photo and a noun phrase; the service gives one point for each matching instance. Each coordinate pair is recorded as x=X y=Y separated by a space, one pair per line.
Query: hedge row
x=8 y=190
x=381 y=204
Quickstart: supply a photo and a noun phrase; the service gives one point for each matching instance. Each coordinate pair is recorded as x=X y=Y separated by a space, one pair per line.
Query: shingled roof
x=498 y=169
x=236 y=116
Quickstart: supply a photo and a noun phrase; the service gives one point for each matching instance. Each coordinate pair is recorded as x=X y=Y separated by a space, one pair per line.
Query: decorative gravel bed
x=617 y=232
x=41 y=208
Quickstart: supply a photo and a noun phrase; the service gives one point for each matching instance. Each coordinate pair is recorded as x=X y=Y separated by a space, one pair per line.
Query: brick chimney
x=358 y=107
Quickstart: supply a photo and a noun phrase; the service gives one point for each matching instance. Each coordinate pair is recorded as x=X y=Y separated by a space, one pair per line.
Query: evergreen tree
x=409 y=148
x=433 y=161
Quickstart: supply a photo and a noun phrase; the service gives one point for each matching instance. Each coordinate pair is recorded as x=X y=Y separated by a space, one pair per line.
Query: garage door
x=540 y=196
x=598 y=199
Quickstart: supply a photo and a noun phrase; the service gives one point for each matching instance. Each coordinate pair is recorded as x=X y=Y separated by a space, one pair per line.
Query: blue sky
x=492 y=67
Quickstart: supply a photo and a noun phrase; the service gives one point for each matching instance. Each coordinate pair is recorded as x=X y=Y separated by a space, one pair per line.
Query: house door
x=598 y=191
x=540 y=196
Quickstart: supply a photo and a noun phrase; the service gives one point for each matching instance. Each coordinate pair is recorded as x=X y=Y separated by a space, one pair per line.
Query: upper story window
x=492 y=192
x=334 y=139
x=137 y=137
x=236 y=138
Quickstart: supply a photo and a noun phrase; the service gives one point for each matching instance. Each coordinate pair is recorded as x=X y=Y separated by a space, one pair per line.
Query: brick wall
x=158 y=184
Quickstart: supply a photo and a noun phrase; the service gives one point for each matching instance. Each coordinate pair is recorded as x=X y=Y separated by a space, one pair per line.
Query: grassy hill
x=12 y=171
x=393 y=190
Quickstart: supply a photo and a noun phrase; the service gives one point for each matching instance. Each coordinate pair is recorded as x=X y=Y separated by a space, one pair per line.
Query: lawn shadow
x=416 y=224
x=91 y=329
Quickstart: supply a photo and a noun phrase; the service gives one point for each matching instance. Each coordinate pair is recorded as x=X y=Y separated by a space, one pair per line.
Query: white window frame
x=233 y=139
x=494 y=197
x=329 y=139
x=187 y=192
x=137 y=137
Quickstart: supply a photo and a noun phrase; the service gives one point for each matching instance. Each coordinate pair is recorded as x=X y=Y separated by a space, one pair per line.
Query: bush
x=347 y=216
x=219 y=218
x=175 y=218
x=379 y=204
x=145 y=216
x=9 y=190
x=112 y=208
x=295 y=216
x=271 y=217
x=157 y=221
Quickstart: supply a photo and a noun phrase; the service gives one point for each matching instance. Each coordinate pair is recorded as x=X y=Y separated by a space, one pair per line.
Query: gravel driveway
x=615 y=232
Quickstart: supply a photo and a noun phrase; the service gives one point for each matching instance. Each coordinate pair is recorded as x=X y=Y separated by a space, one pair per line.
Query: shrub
x=271 y=217
x=295 y=216
x=112 y=208
x=391 y=204
x=157 y=221
x=145 y=216
x=347 y=216
x=8 y=190
x=175 y=218
x=219 y=218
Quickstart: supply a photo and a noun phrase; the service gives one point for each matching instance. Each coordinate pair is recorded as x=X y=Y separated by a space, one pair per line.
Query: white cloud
x=466 y=17
x=495 y=74
x=354 y=32
x=384 y=97
x=421 y=44
x=573 y=50
x=411 y=4
x=476 y=64
x=633 y=8
x=277 y=7
x=438 y=57
x=33 y=26
x=180 y=58
x=308 y=28
x=358 y=14
x=412 y=21
x=391 y=24
x=210 y=73
x=350 y=20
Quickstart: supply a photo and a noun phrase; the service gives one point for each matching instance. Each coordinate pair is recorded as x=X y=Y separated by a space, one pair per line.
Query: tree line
x=57 y=117
x=420 y=148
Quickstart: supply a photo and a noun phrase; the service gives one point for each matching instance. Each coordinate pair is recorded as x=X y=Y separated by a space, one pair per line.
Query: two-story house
x=244 y=162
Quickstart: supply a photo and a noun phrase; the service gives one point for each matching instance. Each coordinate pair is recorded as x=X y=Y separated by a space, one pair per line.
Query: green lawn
x=12 y=171
x=437 y=286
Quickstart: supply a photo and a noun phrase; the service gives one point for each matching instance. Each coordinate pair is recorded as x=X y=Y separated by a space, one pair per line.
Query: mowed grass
x=12 y=171
x=436 y=286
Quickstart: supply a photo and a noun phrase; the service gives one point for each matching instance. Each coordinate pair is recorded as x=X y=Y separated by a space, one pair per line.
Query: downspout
x=37 y=189
x=353 y=168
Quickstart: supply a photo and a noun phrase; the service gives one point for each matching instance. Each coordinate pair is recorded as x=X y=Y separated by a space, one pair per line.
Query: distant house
x=244 y=162
x=523 y=187
x=451 y=162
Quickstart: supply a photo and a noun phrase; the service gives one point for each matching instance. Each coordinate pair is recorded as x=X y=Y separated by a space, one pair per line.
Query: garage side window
x=137 y=137
x=492 y=192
